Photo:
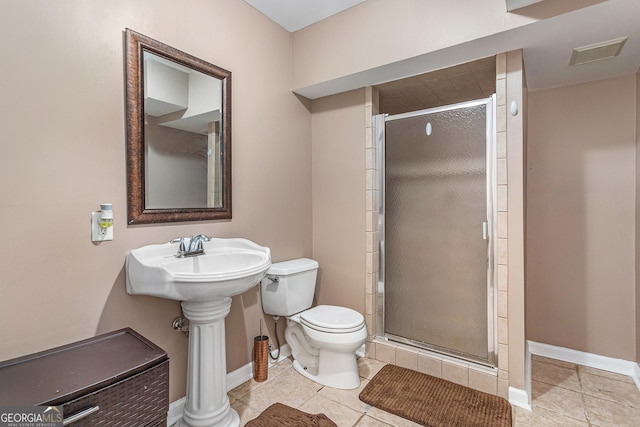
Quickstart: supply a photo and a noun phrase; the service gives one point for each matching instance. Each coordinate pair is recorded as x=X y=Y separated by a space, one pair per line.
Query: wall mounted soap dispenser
x=102 y=223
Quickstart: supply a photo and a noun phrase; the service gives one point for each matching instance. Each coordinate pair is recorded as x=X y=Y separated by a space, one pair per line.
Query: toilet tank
x=293 y=291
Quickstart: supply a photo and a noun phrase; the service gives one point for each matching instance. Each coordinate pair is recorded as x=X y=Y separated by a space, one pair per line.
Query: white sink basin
x=204 y=284
x=228 y=267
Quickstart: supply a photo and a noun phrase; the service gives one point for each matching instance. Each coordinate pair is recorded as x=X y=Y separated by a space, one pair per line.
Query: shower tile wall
x=372 y=238
x=502 y=276
x=431 y=363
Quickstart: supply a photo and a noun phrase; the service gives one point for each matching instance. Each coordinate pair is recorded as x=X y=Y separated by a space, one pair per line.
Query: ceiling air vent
x=596 y=52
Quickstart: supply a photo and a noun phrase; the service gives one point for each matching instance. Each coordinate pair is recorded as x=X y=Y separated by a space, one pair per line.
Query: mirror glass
x=178 y=135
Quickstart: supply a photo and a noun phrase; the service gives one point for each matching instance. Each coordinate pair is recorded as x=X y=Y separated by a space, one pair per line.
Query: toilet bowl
x=323 y=342
x=323 y=339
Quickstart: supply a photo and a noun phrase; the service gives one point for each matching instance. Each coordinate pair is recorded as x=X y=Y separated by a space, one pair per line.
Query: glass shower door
x=436 y=229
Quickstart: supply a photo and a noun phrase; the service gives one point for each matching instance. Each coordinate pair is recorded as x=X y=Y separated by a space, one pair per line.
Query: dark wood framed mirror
x=178 y=134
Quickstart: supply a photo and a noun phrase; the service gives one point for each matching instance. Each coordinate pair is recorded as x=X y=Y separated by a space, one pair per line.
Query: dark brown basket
x=140 y=400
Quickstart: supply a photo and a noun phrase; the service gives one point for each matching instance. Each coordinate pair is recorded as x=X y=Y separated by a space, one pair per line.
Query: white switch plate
x=99 y=234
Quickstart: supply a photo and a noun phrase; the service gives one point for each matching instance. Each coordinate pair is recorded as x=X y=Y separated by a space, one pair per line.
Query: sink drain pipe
x=181 y=324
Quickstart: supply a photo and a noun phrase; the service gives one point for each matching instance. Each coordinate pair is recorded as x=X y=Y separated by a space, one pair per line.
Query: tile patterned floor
x=564 y=394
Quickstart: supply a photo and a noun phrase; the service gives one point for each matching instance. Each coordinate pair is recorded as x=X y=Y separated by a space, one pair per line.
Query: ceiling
x=294 y=15
x=547 y=44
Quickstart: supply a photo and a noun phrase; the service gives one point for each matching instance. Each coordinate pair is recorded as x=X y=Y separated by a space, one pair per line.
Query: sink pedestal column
x=207 y=403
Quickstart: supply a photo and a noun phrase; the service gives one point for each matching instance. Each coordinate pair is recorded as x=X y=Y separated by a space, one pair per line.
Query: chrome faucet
x=191 y=246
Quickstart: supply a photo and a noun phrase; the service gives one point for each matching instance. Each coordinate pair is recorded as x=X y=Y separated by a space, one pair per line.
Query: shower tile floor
x=564 y=394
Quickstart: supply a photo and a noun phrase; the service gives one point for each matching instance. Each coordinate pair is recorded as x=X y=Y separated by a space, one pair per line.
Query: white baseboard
x=234 y=379
x=611 y=364
x=519 y=398
x=175 y=411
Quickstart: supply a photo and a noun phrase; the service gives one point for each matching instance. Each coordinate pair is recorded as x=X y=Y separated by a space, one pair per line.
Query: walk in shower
x=436 y=227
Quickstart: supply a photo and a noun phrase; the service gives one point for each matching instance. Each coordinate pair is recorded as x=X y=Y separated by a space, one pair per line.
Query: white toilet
x=323 y=339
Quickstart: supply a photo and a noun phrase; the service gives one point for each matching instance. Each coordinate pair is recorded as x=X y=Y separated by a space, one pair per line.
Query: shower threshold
x=442 y=352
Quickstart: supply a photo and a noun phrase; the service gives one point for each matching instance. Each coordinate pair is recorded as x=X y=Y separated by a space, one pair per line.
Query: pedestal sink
x=204 y=284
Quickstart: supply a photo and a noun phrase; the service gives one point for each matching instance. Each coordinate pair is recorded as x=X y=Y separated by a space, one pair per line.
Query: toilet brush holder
x=260 y=358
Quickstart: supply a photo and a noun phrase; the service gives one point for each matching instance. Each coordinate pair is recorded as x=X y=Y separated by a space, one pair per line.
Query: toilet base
x=339 y=370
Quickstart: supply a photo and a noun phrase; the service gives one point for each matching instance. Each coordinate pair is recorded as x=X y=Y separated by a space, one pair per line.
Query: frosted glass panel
x=435 y=206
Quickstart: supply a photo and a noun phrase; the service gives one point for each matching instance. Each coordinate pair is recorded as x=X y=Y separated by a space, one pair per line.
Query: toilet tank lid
x=292 y=266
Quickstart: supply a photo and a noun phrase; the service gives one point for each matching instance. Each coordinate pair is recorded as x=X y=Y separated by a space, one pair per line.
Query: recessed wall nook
x=494 y=381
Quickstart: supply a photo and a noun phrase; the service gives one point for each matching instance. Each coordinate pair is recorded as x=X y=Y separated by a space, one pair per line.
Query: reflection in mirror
x=182 y=136
x=179 y=138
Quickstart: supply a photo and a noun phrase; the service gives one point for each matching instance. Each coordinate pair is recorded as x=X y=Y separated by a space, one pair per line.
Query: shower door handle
x=485 y=230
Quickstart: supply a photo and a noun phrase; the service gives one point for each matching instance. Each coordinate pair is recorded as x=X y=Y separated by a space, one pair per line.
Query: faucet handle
x=198 y=241
x=181 y=249
x=179 y=240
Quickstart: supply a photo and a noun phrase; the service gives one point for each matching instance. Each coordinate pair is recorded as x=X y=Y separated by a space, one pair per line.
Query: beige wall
x=380 y=32
x=581 y=201
x=63 y=153
x=637 y=224
x=403 y=29
x=338 y=189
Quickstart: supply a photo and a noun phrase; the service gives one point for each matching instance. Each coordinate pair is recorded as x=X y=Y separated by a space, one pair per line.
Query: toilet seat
x=332 y=319
x=324 y=341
